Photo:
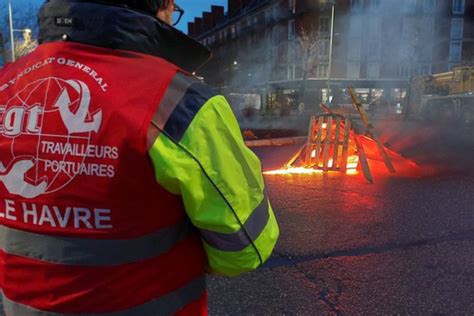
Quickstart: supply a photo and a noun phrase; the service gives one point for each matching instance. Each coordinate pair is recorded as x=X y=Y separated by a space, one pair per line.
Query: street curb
x=276 y=141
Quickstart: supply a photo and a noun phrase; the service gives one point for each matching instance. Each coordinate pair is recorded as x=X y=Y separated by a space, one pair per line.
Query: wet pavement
x=403 y=245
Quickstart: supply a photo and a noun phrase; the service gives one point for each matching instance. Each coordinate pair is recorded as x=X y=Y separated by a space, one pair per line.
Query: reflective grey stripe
x=239 y=240
x=176 y=90
x=166 y=305
x=91 y=252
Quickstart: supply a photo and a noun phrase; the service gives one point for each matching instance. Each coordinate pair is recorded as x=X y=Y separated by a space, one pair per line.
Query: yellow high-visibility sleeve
x=222 y=186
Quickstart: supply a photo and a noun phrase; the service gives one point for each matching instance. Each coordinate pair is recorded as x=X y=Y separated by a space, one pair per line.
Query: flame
x=352 y=163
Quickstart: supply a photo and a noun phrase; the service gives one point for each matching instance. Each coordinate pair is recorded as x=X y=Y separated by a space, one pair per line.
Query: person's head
x=163 y=9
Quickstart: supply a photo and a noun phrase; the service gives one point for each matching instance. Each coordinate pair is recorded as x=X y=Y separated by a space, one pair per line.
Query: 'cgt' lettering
x=17 y=119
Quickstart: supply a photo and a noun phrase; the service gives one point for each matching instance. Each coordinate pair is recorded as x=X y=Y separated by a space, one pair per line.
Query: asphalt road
x=403 y=245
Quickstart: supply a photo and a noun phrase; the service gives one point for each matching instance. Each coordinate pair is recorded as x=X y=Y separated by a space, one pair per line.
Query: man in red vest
x=122 y=178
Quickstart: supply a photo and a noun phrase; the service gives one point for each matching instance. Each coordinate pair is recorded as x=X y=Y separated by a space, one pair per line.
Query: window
x=275 y=12
x=239 y=27
x=323 y=3
x=291 y=52
x=409 y=6
x=322 y=71
x=354 y=50
x=232 y=31
x=255 y=20
x=375 y=27
x=374 y=50
x=275 y=35
x=292 y=5
x=355 y=25
x=455 y=51
x=409 y=29
x=427 y=26
x=324 y=48
x=458 y=6
x=356 y=4
x=375 y=4
x=291 y=30
x=268 y=15
x=324 y=24
x=291 y=71
x=457 y=28
x=353 y=70
x=429 y=6
x=373 y=70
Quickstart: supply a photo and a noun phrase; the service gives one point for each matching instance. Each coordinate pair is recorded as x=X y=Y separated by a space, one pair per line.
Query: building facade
x=280 y=46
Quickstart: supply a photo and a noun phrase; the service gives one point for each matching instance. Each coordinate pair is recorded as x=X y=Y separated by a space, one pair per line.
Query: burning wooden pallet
x=333 y=144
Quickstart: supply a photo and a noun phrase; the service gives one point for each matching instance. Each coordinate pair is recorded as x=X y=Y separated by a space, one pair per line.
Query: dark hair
x=151 y=6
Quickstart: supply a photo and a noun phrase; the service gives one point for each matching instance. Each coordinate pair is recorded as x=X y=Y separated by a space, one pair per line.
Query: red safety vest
x=84 y=226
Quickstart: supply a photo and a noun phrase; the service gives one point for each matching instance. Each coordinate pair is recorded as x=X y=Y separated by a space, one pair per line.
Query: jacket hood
x=118 y=27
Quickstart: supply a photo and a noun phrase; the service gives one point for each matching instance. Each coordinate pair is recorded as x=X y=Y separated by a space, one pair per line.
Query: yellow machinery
x=443 y=96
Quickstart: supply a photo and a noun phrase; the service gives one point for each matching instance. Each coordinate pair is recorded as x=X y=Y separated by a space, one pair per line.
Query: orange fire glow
x=352 y=163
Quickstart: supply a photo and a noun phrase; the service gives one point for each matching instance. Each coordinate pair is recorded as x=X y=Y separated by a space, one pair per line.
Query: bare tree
x=310 y=44
x=415 y=57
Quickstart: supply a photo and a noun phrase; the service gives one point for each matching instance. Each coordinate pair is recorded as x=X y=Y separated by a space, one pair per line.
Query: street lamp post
x=12 y=40
x=330 y=47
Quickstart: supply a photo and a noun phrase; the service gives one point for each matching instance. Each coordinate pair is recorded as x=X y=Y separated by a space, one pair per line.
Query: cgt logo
x=12 y=120
x=29 y=120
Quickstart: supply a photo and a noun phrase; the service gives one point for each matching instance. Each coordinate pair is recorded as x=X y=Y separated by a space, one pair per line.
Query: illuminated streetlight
x=23 y=30
x=26 y=31
x=26 y=45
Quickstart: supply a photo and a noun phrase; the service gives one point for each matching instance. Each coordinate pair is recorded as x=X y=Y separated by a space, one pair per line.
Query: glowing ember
x=300 y=170
x=352 y=162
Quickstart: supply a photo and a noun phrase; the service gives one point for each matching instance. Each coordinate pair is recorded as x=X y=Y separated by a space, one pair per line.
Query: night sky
x=195 y=8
